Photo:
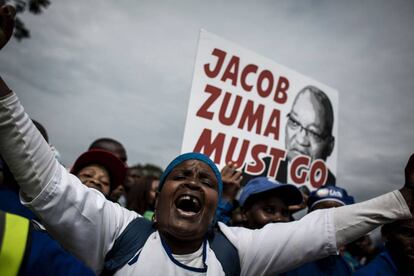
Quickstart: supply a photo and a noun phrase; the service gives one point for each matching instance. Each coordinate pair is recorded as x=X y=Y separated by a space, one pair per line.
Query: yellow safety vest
x=14 y=232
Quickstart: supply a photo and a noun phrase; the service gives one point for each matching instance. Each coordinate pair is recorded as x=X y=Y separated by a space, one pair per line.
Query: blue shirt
x=10 y=203
x=223 y=212
x=381 y=265
x=332 y=265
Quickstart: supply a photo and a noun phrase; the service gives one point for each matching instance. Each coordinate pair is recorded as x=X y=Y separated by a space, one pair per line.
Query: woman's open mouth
x=188 y=205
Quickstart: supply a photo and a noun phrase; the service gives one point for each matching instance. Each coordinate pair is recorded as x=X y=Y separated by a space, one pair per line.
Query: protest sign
x=268 y=119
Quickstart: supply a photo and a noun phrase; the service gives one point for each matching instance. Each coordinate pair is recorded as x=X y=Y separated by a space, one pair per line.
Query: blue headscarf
x=192 y=156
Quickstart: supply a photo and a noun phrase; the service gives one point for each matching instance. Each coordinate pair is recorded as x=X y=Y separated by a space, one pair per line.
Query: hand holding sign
x=408 y=190
x=7 y=14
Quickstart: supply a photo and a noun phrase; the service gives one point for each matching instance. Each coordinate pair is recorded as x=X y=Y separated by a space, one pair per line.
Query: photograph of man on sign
x=308 y=132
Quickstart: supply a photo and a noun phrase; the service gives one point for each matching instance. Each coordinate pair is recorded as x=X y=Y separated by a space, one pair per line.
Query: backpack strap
x=127 y=244
x=225 y=252
x=136 y=234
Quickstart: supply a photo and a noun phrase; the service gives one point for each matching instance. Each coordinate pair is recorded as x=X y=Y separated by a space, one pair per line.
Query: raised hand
x=231 y=181
x=7 y=15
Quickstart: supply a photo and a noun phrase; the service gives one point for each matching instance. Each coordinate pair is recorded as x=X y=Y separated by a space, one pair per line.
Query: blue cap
x=192 y=156
x=288 y=193
x=330 y=193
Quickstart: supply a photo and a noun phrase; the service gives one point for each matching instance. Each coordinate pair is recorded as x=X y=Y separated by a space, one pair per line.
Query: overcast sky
x=123 y=69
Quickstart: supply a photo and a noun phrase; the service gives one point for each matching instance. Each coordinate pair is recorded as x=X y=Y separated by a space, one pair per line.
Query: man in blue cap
x=329 y=197
x=264 y=200
x=178 y=243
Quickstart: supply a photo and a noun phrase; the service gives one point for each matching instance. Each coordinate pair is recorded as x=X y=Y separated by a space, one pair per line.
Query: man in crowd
x=398 y=256
x=179 y=242
x=264 y=201
x=116 y=148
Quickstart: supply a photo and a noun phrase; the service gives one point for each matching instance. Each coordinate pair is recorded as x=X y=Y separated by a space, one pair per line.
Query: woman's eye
x=178 y=177
x=208 y=183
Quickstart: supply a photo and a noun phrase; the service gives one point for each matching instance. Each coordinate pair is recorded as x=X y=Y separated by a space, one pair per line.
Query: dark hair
x=138 y=195
x=102 y=142
x=147 y=170
x=111 y=145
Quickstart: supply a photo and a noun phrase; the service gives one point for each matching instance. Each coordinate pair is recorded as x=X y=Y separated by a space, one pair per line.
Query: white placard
x=267 y=118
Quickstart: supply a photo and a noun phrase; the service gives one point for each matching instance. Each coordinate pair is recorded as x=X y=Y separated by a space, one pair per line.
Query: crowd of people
x=102 y=216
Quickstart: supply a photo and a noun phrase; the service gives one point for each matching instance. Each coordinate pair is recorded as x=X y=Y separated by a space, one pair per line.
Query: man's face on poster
x=309 y=127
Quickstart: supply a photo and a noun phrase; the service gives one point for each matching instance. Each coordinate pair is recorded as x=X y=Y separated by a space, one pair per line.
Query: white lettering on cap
x=334 y=193
x=322 y=192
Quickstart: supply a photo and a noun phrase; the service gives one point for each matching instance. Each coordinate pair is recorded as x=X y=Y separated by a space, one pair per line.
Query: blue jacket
x=381 y=265
x=46 y=256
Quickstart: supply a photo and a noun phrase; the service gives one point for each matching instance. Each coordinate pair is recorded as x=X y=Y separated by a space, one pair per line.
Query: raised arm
x=278 y=247
x=81 y=219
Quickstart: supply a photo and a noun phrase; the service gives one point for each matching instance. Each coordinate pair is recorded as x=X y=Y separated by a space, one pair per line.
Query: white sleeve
x=23 y=148
x=353 y=221
x=81 y=219
x=278 y=247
